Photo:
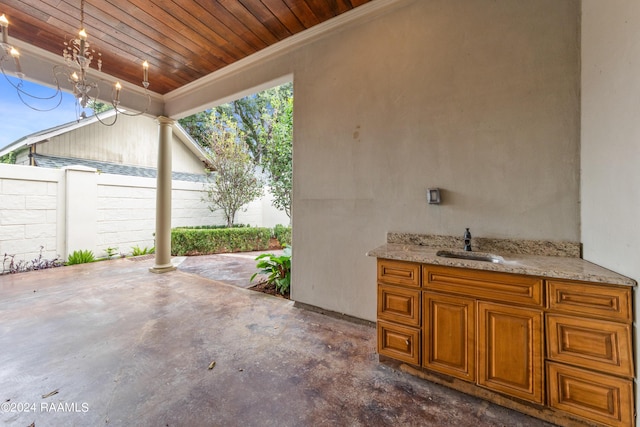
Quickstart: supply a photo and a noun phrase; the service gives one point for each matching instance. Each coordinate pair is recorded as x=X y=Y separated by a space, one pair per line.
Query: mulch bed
x=267 y=288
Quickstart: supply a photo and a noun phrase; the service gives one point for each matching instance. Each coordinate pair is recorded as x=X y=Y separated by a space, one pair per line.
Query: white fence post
x=81 y=205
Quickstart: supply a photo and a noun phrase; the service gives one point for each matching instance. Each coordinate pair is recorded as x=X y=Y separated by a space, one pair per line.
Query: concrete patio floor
x=124 y=347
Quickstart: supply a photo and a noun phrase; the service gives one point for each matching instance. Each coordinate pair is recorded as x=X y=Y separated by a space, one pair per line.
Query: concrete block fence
x=77 y=208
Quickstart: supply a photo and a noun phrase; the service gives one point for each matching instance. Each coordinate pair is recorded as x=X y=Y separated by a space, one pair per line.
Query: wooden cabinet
x=589 y=351
x=510 y=350
x=562 y=345
x=505 y=352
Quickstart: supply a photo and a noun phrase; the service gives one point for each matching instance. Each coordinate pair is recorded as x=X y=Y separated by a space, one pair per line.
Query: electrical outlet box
x=433 y=196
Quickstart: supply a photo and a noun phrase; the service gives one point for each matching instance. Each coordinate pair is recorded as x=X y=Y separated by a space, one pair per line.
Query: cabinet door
x=449 y=335
x=510 y=350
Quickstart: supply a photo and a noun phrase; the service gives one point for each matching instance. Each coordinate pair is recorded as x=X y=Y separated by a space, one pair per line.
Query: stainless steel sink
x=473 y=256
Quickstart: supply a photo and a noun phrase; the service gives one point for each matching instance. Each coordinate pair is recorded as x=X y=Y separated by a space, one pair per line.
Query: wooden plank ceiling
x=182 y=40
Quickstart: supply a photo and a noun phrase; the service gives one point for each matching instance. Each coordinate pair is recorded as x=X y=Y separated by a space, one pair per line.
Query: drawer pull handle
x=408 y=342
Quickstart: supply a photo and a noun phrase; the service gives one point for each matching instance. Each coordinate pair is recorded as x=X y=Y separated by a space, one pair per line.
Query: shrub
x=277 y=268
x=188 y=241
x=80 y=257
x=282 y=234
x=212 y=227
x=136 y=251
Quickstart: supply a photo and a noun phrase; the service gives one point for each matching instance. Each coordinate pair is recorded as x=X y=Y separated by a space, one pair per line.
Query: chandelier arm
x=135 y=114
x=22 y=94
x=36 y=108
x=115 y=119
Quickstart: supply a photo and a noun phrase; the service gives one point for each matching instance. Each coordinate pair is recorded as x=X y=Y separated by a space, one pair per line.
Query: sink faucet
x=467 y=240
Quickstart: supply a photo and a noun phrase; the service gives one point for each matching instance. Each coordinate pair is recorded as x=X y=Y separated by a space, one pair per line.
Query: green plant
x=282 y=234
x=136 y=251
x=80 y=257
x=111 y=252
x=277 y=268
x=189 y=241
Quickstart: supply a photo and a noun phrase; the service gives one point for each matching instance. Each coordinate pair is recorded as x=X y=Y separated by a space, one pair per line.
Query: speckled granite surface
x=481 y=244
x=552 y=266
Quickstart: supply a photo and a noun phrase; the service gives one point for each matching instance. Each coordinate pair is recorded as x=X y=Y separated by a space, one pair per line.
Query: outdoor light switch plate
x=433 y=196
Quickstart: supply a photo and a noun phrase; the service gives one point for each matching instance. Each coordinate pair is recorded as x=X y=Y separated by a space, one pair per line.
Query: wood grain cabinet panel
x=399 y=342
x=510 y=350
x=398 y=304
x=597 y=397
x=449 y=335
x=604 y=301
x=592 y=344
x=398 y=273
x=566 y=345
x=488 y=285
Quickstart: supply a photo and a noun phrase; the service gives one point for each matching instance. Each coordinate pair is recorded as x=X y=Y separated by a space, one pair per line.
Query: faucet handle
x=467 y=240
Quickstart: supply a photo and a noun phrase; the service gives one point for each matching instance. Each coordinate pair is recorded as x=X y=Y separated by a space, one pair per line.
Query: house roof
x=45 y=134
x=55 y=162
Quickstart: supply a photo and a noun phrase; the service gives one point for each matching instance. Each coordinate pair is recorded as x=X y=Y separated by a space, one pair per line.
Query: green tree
x=200 y=126
x=277 y=159
x=265 y=120
x=9 y=158
x=99 y=107
x=233 y=183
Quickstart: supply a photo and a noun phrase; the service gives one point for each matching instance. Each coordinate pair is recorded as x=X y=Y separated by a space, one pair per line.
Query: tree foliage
x=265 y=124
x=233 y=182
x=277 y=158
x=9 y=158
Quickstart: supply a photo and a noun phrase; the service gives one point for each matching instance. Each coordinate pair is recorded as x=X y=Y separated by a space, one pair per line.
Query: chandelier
x=78 y=55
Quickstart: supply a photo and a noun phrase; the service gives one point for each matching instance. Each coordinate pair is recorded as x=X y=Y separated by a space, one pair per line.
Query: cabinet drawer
x=399 y=305
x=593 y=344
x=606 y=301
x=399 y=342
x=399 y=273
x=597 y=397
x=501 y=287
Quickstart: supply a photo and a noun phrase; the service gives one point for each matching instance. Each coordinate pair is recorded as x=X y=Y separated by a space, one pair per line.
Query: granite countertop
x=552 y=266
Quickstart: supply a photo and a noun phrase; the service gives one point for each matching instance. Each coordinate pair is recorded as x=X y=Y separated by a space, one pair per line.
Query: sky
x=18 y=120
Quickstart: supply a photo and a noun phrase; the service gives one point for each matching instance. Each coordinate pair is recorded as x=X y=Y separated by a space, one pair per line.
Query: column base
x=159 y=269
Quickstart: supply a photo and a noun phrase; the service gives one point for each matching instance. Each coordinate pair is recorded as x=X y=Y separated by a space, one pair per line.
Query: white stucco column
x=163 y=198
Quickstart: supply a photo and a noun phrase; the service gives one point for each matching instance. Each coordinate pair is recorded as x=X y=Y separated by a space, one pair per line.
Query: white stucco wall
x=610 y=141
x=67 y=210
x=28 y=212
x=479 y=98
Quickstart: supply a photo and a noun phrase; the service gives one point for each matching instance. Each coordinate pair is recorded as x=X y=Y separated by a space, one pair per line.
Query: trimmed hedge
x=208 y=227
x=189 y=241
x=282 y=234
